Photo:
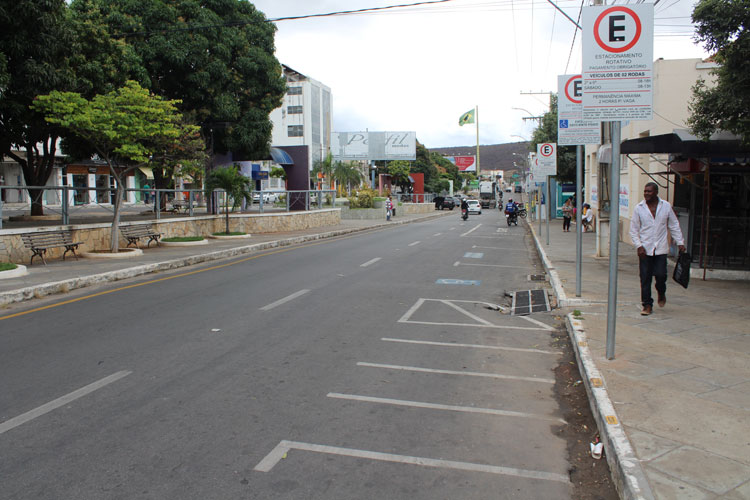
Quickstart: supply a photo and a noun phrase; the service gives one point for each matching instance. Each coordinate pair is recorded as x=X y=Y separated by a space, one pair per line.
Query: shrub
x=7 y=266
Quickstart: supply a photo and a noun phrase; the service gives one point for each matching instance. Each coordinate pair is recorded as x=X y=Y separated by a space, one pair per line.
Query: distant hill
x=491 y=156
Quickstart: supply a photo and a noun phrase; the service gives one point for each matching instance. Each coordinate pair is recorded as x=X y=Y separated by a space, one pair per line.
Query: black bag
x=682 y=269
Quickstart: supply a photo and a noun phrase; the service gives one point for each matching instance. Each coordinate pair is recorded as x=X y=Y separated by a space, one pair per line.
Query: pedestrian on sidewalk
x=388 y=208
x=652 y=218
x=567 y=211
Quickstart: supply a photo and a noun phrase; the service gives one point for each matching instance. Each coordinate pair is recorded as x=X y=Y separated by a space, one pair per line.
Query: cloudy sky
x=419 y=68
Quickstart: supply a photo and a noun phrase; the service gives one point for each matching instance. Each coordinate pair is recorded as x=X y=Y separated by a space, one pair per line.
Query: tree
x=547 y=132
x=722 y=26
x=216 y=56
x=325 y=167
x=347 y=174
x=232 y=182
x=126 y=128
x=399 y=172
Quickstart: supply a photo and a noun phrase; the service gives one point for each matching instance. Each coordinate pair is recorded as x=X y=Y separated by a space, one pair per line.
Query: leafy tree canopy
x=547 y=132
x=722 y=28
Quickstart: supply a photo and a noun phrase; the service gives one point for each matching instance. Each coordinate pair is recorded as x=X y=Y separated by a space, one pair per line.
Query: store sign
x=618 y=48
x=572 y=129
x=369 y=146
x=464 y=163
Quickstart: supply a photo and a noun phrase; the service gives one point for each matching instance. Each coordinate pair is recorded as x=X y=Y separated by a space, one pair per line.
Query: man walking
x=648 y=230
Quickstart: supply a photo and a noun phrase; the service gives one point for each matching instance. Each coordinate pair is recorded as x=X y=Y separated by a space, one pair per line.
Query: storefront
x=93 y=184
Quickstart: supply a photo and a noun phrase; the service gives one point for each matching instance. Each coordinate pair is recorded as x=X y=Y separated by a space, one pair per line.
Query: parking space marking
x=471 y=346
x=284 y=447
x=452 y=281
x=496 y=248
x=502 y=230
x=435 y=406
x=371 y=261
x=487 y=265
x=473 y=255
x=284 y=300
x=61 y=401
x=414 y=243
x=456 y=372
x=472 y=229
x=437 y=234
x=406 y=318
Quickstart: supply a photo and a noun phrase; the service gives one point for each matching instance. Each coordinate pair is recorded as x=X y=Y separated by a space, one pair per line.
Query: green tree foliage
x=126 y=128
x=278 y=172
x=231 y=181
x=325 y=167
x=36 y=45
x=347 y=174
x=547 y=132
x=399 y=172
x=424 y=164
x=722 y=27
x=217 y=56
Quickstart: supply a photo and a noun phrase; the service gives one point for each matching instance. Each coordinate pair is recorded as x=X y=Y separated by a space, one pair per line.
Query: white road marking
x=451 y=229
x=284 y=300
x=414 y=243
x=456 y=264
x=537 y=322
x=435 y=406
x=284 y=447
x=483 y=324
x=456 y=372
x=437 y=234
x=488 y=265
x=473 y=255
x=472 y=229
x=496 y=248
x=371 y=261
x=467 y=313
x=61 y=401
x=501 y=230
x=473 y=346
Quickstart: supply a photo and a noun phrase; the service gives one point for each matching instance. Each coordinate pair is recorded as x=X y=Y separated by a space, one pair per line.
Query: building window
x=294 y=91
x=295 y=130
x=294 y=110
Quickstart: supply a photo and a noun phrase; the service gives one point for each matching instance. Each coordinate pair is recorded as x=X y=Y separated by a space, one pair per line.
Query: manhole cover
x=537 y=277
x=529 y=301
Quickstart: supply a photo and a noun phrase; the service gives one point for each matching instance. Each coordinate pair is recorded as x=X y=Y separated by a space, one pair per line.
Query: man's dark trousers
x=653 y=266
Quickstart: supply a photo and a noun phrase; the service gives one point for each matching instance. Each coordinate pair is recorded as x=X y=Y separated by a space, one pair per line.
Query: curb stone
x=630 y=480
x=64 y=286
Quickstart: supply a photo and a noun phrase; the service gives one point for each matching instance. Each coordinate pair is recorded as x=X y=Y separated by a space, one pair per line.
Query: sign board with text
x=618 y=48
x=368 y=146
x=572 y=129
x=546 y=160
x=466 y=163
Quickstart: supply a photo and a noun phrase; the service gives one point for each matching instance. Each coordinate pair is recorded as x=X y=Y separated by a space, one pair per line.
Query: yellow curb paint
x=611 y=419
x=596 y=382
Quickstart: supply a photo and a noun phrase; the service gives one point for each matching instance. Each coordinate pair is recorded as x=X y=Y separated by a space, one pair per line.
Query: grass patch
x=179 y=239
x=577 y=313
x=7 y=266
x=234 y=233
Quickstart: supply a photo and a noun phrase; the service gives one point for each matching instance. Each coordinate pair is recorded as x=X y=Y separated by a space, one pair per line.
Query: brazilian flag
x=467 y=117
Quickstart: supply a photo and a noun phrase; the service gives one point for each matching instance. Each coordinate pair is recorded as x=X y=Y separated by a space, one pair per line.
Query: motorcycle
x=464 y=213
x=511 y=218
x=522 y=212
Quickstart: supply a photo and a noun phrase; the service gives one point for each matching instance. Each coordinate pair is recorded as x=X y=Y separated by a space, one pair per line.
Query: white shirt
x=650 y=232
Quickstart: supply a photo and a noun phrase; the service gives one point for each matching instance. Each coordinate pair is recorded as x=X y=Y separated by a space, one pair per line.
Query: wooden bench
x=135 y=233
x=40 y=242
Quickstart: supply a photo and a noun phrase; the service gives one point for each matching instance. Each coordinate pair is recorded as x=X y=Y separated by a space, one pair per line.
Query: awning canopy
x=281 y=157
x=682 y=143
x=147 y=172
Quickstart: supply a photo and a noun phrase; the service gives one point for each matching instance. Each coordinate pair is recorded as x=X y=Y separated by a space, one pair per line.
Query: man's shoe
x=647 y=310
x=662 y=299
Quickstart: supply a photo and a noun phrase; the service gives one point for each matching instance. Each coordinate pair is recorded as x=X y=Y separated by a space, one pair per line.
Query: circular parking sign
x=573 y=88
x=547 y=149
x=623 y=25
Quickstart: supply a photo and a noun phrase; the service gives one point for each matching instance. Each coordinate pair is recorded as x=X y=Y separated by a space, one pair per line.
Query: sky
x=420 y=68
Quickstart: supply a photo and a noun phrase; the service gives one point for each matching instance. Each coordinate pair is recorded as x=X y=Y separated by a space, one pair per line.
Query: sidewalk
x=673 y=406
x=60 y=276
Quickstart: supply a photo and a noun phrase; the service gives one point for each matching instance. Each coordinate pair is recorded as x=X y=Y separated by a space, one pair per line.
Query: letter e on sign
x=547 y=149
x=617 y=29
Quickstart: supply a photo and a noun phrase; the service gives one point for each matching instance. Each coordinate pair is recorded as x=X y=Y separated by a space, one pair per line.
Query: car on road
x=442 y=202
x=474 y=206
x=518 y=189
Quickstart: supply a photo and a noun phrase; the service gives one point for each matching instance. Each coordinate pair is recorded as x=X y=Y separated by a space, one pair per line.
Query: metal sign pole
x=579 y=218
x=614 y=236
x=547 y=208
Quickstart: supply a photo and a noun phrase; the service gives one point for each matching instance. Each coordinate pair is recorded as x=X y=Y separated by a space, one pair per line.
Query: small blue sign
x=448 y=281
x=563 y=124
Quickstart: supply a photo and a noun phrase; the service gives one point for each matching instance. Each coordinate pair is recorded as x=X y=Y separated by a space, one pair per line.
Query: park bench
x=180 y=205
x=135 y=233
x=40 y=242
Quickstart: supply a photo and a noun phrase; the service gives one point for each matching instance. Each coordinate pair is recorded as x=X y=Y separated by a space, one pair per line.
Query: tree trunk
x=114 y=243
x=226 y=210
x=36 y=196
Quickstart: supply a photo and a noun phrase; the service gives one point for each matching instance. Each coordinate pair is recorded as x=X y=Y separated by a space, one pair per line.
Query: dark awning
x=683 y=143
x=281 y=157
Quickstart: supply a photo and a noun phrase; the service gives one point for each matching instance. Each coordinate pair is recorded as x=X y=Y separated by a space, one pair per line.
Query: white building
x=304 y=118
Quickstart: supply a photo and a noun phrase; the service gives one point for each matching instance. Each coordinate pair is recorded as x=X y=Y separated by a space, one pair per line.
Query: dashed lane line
x=371 y=261
x=472 y=229
x=414 y=243
x=284 y=300
x=456 y=372
x=435 y=406
x=284 y=447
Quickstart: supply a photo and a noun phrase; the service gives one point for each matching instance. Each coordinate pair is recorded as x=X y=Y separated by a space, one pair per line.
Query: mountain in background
x=491 y=156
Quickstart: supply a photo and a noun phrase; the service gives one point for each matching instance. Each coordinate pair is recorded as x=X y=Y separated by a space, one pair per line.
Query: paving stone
x=702 y=469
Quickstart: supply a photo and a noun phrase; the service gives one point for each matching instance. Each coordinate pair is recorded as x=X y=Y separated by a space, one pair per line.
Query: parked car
x=474 y=206
x=519 y=189
x=442 y=202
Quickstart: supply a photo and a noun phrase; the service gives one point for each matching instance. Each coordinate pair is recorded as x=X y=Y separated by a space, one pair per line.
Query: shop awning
x=281 y=157
x=147 y=172
x=681 y=143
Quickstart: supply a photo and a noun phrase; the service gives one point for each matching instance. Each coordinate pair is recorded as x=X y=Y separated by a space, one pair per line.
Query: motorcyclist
x=511 y=209
x=464 y=209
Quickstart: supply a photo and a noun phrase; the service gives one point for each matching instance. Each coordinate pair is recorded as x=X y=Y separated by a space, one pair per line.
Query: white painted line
x=456 y=264
x=472 y=229
x=435 y=406
x=371 y=261
x=473 y=255
x=411 y=311
x=501 y=230
x=496 y=248
x=499 y=327
x=414 y=243
x=284 y=300
x=61 y=401
x=467 y=313
x=473 y=346
x=455 y=372
x=437 y=234
x=284 y=447
x=537 y=322
x=490 y=265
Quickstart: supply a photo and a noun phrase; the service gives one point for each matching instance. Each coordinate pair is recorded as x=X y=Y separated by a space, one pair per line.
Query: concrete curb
x=629 y=478
x=67 y=285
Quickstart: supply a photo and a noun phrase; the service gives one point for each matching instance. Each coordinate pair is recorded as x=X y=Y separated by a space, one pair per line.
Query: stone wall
x=379 y=213
x=97 y=236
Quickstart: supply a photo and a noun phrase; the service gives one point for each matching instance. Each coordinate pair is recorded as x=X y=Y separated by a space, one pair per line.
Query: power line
x=575 y=32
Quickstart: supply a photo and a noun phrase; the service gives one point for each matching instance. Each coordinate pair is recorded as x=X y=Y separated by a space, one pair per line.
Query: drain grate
x=537 y=277
x=529 y=301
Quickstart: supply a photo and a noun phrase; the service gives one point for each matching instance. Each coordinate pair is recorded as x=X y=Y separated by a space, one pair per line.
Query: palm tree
x=236 y=186
x=325 y=167
x=347 y=174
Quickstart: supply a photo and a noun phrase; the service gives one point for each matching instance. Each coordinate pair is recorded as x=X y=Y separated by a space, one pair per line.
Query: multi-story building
x=304 y=118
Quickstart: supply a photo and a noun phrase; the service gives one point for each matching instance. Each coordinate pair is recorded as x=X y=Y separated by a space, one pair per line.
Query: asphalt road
x=364 y=367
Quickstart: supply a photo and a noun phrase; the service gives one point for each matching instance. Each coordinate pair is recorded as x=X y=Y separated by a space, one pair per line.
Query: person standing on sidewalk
x=652 y=218
x=567 y=212
x=388 y=208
